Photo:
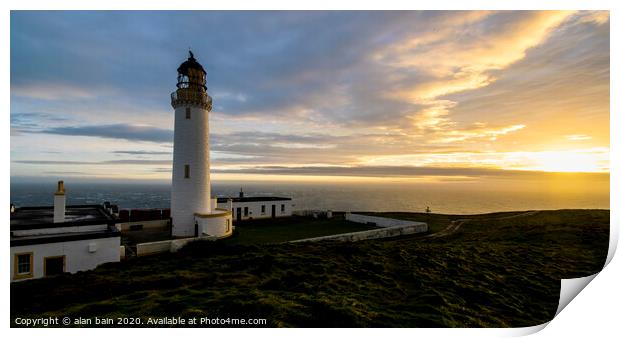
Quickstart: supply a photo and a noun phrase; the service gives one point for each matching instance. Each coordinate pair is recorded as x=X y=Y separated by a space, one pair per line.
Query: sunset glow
x=422 y=96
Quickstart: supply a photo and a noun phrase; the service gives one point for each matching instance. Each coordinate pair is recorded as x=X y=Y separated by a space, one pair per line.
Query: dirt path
x=456 y=225
x=449 y=230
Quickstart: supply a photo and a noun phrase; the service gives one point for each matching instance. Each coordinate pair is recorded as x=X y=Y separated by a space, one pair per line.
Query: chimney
x=241 y=193
x=59 y=203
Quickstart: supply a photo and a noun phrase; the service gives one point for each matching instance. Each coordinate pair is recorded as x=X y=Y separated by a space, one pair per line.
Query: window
x=262 y=209
x=282 y=208
x=23 y=265
x=227 y=225
x=245 y=211
x=188 y=113
x=187 y=171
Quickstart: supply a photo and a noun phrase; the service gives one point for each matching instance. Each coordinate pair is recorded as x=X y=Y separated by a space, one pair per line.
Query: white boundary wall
x=378 y=221
x=173 y=245
x=389 y=228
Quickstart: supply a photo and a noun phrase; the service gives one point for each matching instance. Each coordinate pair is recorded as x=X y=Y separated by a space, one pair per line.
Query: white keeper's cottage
x=256 y=207
x=47 y=241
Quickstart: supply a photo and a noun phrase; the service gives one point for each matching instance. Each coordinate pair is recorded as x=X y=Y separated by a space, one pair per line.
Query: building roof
x=75 y=215
x=35 y=225
x=190 y=63
x=252 y=199
x=64 y=237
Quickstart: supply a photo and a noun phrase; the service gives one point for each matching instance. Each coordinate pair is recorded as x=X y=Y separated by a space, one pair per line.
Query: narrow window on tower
x=187 y=171
x=188 y=113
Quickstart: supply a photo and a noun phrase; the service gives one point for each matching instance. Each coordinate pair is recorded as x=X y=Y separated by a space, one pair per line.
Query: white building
x=47 y=241
x=193 y=211
x=244 y=208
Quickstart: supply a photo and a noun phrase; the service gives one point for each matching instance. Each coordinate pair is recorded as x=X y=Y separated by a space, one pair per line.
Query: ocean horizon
x=441 y=197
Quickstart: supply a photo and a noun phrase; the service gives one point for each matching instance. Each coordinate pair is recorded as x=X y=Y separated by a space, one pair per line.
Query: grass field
x=497 y=270
x=279 y=230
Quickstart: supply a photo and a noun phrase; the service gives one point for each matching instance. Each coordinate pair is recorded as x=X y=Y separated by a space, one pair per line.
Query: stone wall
x=389 y=228
x=383 y=222
x=151 y=248
x=172 y=245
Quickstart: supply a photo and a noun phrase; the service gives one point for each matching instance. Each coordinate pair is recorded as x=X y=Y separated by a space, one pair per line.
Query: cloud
x=468 y=51
x=52 y=162
x=114 y=162
x=116 y=131
x=596 y=17
x=141 y=152
x=578 y=137
x=33 y=121
x=288 y=91
x=270 y=138
x=385 y=171
x=480 y=131
x=463 y=58
x=578 y=160
x=435 y=117
x=55 y=91
x=70 y=173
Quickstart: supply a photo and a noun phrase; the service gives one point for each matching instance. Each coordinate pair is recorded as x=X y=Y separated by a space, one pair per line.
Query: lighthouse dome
x=190 y=63
x=191 y=75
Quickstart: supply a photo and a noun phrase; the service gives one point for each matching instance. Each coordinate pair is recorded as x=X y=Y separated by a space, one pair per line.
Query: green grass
x=291 y=228
x=498 y=270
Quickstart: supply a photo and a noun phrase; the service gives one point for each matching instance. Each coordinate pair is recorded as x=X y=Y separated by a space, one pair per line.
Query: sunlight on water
x=549 y=191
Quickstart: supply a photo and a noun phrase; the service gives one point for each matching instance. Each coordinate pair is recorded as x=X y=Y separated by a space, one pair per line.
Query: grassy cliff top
x=495 y=270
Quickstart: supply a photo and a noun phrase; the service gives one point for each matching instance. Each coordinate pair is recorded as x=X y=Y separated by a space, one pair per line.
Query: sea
x=461 y=197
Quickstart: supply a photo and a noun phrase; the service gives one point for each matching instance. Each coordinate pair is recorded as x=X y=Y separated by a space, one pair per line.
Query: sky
x=313 y=95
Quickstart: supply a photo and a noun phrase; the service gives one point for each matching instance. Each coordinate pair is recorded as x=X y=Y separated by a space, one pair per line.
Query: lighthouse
x=193 y=211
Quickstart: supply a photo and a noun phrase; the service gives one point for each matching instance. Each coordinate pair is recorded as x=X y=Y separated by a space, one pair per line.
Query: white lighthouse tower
x=193 y=210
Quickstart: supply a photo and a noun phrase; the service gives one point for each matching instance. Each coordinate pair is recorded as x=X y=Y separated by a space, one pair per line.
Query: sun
x=566 y=161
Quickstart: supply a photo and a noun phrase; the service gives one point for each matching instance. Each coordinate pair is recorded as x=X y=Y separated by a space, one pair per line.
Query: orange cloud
x=578 y=160
x=489 y=134
x=460 y=56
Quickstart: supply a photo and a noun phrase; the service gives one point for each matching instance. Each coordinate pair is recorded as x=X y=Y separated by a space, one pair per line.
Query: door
x=273 y=211
x=238 y=214
x=54 y=266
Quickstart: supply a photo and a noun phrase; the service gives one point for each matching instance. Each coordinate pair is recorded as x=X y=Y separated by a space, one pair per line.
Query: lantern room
x=191 y=74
